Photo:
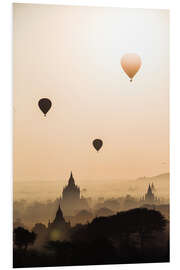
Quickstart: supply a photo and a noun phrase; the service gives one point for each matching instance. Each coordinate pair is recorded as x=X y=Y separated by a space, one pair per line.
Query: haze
x=72 y=56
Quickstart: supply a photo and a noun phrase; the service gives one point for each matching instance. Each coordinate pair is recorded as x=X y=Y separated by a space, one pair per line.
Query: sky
x=72 y=56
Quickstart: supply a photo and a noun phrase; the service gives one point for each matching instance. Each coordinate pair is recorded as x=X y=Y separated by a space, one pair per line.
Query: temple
x=71 y=200
x=149 y=197
x=71 y=192
x=58 y=229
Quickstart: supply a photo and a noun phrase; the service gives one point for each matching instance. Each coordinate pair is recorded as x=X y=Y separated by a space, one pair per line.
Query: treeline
x=136 y=236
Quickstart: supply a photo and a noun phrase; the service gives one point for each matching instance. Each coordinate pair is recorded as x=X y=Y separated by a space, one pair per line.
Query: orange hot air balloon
x=131 y=63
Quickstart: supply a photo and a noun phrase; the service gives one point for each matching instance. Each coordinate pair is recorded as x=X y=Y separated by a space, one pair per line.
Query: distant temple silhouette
x=59 y=228
x=71 y=191
x=71 y=200
x=149 y=196
x=70 y=203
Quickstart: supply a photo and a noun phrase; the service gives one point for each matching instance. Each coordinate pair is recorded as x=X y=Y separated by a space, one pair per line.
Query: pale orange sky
x=72 y=56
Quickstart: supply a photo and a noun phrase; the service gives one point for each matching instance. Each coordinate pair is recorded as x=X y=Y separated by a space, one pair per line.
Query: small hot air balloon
x=97 y=143
x=44 y=105
x=131 y=63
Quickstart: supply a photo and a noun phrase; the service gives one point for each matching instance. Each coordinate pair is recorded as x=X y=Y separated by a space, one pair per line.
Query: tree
x=23 y=238
x=139 y=221
x=39 y=228
x=145 y=221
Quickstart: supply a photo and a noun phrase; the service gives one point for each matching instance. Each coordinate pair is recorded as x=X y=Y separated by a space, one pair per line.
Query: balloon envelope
x=131 y=63
x=97 y=143
x=44 y=105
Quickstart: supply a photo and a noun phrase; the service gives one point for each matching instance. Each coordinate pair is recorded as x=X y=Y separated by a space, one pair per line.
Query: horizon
x=115 y=188
x=118 y=179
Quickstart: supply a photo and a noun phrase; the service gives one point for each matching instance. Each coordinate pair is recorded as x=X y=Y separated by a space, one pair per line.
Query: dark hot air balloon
x=97 y=143
x=44 y=105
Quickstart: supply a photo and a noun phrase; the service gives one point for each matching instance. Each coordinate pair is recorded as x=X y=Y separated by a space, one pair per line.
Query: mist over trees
x=136 y=235
x=26 y=214
x=102 y=230
x=125 y=229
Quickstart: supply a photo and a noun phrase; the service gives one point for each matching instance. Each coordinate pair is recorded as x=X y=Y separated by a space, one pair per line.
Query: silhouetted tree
x=127 y=237
x=102 y=251
x=145 y=222
x=39 y=228
x=23 y=238
x=140 y=220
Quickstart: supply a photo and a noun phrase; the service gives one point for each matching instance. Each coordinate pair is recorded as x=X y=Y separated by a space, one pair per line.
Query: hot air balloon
x=44 y=105
x=131 y=63
x=97 y=143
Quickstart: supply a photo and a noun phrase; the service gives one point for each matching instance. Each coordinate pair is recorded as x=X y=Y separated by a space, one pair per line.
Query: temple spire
x=59 y=215
x=149 y=189
x=71 y=180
